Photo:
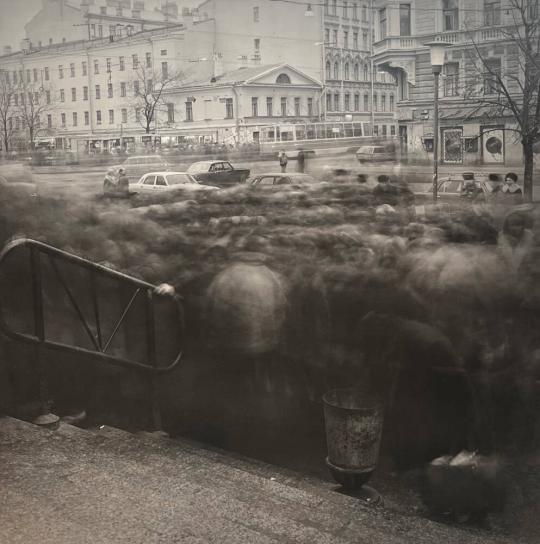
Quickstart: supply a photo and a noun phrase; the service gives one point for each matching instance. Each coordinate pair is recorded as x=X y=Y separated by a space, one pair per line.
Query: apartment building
x=469 y=133
x=354 y=90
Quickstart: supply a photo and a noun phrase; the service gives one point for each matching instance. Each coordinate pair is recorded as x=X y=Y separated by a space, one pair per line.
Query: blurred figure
x=516 y=239
x=301 y=161
x=110 y=183
x=509 y=192
x=123 y=182
x=283 y=160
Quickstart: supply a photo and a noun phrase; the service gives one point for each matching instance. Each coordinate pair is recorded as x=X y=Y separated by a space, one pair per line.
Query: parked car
x=17 y=176
x=375 y=153
x=279 y=178
x=218 y=173
x=169 y=181
x=464 y=190
x=141 y=164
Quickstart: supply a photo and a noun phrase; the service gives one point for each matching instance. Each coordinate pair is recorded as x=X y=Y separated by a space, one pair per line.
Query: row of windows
x=333 y=71
x=331 y=39
x=350 y=10
x=333 y=102
x=35 y=75
x=286 y=108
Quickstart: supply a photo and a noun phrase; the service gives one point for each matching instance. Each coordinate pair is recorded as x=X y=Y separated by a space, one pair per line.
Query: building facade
x=479 y=47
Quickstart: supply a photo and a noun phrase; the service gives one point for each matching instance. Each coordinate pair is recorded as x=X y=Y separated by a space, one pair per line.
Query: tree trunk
x=31 y=131
x=528 y=157
x=6 y=140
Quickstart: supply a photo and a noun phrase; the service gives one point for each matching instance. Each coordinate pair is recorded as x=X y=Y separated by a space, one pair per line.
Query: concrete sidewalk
x=78 y=486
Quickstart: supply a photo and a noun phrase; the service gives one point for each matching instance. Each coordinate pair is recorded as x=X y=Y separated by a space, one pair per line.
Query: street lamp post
x=437 y=50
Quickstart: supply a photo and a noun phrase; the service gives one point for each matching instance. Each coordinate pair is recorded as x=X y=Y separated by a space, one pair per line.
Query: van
x=375 y=153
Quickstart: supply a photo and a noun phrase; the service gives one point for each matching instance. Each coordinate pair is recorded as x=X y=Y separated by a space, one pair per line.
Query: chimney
x=7 y=49
x=25 y=45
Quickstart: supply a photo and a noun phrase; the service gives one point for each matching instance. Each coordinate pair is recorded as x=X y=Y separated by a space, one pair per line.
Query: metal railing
x=99 y=342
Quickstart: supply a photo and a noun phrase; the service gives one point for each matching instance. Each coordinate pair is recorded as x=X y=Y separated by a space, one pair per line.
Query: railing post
x=45 y=418
x=152 y=361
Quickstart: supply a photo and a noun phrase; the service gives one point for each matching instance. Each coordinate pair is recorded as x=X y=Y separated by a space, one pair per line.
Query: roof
x=165 y=173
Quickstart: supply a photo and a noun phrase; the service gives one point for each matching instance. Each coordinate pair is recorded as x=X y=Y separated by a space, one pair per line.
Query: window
x=336 y=70
x=283 y=79
x=98 y=92
x=254 y=106
x=383 y=102
x=355 y=12
x=347 y=102
x=138 y=115
x=327 y=36
x=135 y=59
x=366 y=72
x=96 y=66
x=375 y=103
x=100 y=31
x=310 y=107
x=328 y=69
x=72 y=69
x=60 y=72
x=326 y=7
x=405 y=20
x=355 y=41
x=392 y=130
x=346 y=40
x=269 y=107
x=109 y=90
x=376 y=130
x=334 y=7
x=103 y=10
x=74 y=118
x=451 y=81
x=356 y=72
x=124 y=115
x=86 y=117
x=450 y=15
x=382 y=24
x=257 y=45
x=119 y=12
x=297 y=106
x=532 y=9
x=149 y=60
x=85 y=93
x=46 y=75
x=491 y=74
x=170 y=113
x=492 y=12
x=73 y=94
x=365 y=40
x=328 y=102
x=49 y=120
x=334 y=40
x=364 y=14
x=135 y=88
x=63 y=119
x=356 y=102
x=122 y=62
x=108 y=61
x=284 y=106
x=189 y=111
x=229 y=113
x=36 y=98
x=93 y=30
x=164 y=70
x=256 y=14
x=150 y=85
x=122 y=89
x=163 y=52
x=48 y=97
x=84 y=68
x=112 y=30
x=111 y=117
x=346 y=71
x=392 y=102
x=384 y=130
x=345 y=10
x=35 y=74
x=337 y=105
x=62 y=95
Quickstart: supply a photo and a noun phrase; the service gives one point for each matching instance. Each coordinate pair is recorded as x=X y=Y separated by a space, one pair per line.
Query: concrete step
x=85 y=486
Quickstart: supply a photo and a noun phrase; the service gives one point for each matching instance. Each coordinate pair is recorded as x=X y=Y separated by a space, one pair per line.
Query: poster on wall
x=452 y=145
x=493 y=145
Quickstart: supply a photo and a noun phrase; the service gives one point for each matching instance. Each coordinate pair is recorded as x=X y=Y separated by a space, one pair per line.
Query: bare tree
x=6 y=109
x=34 y=102
x=514 y=93
x=149 y=86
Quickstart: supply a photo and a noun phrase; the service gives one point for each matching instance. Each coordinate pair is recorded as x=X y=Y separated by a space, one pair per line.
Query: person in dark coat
x=123 y=182
x=301 y=161
x=509 y=192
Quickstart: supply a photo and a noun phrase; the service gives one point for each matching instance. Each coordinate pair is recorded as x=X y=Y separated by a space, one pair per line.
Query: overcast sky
x=14 y=15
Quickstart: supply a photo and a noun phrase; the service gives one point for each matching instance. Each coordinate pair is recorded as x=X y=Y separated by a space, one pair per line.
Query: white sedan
x=169 y=181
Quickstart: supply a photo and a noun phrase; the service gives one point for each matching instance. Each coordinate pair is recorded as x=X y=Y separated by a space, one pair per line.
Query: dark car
x=218 y=173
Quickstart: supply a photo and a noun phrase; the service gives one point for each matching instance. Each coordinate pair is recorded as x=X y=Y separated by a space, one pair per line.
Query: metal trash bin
x=353 y=421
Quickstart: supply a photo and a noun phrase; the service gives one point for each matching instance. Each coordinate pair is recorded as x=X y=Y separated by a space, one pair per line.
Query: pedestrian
x=516 y=240
x=510 y=192
x=123 y=182
x=110 y=182
x=283 y=160
x=301 y=161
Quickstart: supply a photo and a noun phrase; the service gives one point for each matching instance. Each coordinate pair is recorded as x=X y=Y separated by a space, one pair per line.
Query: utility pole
x=371 y=29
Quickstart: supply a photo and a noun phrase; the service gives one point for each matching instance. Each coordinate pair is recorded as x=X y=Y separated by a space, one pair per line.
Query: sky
x=15 y=14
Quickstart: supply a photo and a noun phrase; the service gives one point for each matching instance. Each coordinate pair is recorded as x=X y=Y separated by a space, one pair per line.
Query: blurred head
x=511 y=177
x=516 y=223
x=121 y=170
x=383 y=178
x=110 y=172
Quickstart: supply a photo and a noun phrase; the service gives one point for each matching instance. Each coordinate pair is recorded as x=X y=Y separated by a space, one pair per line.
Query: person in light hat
x=510 y=192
